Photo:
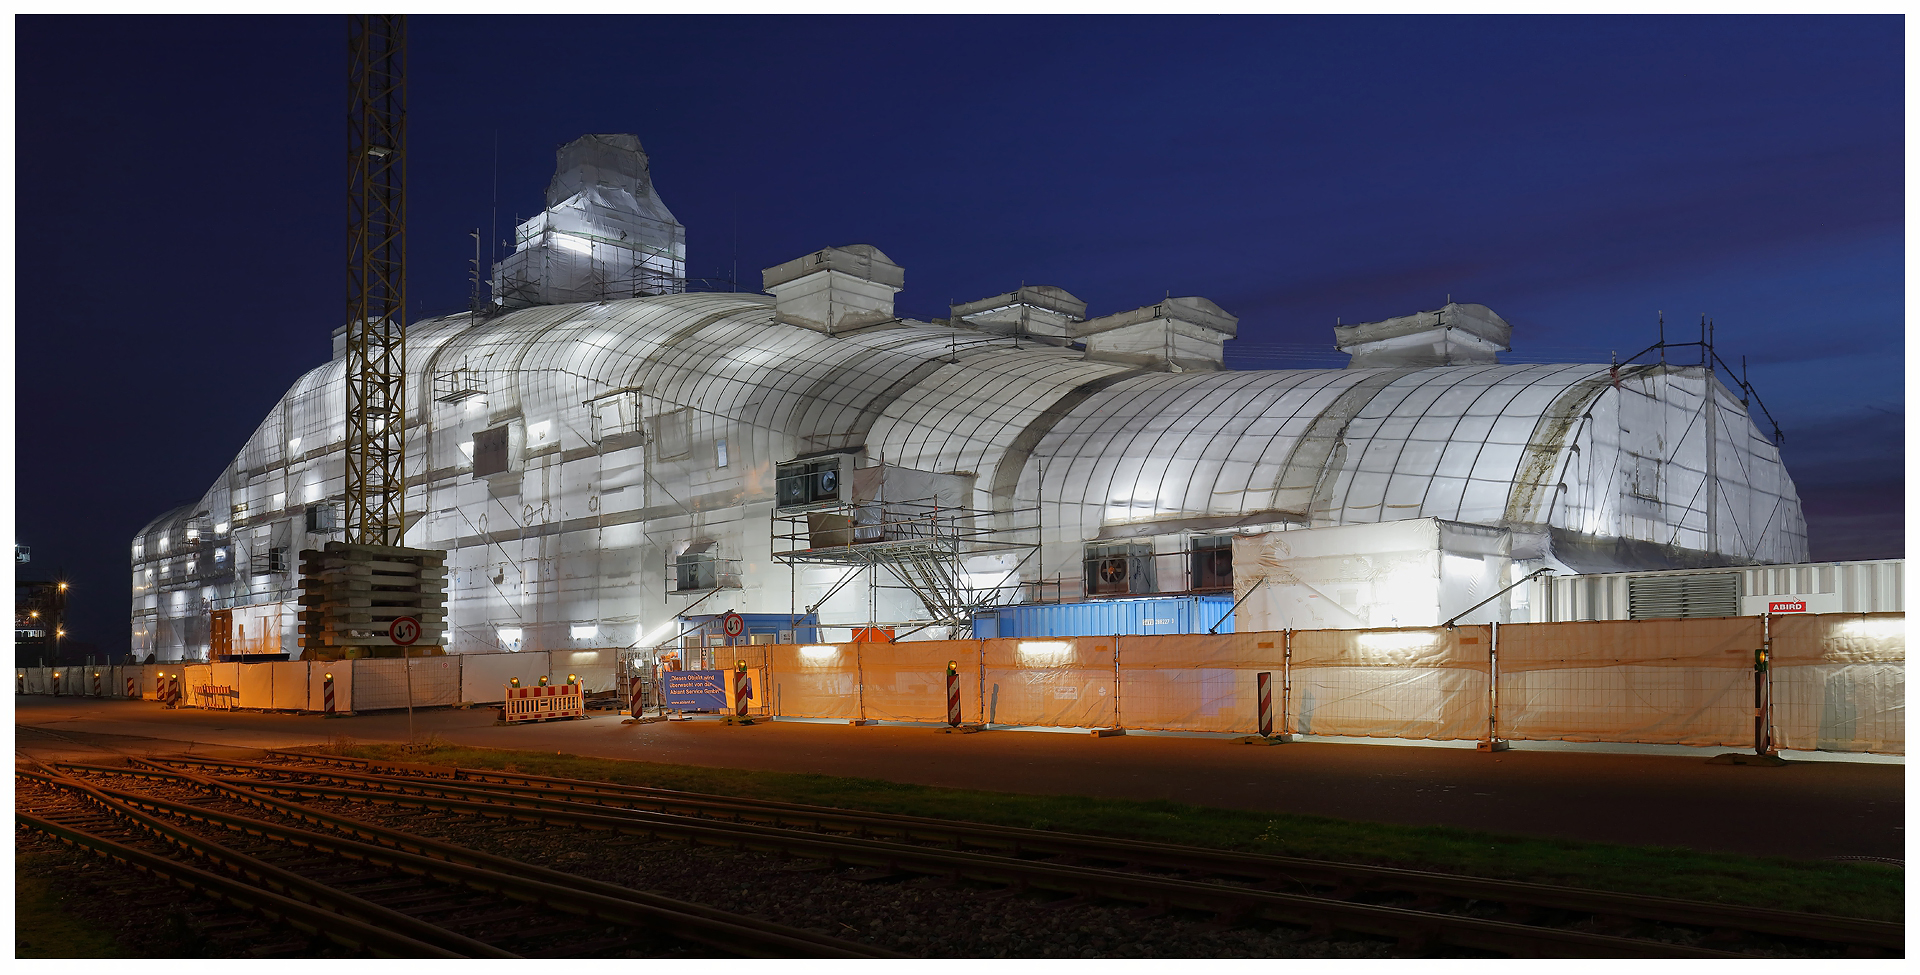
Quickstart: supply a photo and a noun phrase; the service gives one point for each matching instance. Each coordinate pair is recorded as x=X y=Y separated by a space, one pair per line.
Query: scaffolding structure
x=376 y=278
x=923 y=544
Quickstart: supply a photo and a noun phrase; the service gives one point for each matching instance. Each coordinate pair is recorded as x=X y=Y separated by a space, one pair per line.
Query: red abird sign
x=1787 y=607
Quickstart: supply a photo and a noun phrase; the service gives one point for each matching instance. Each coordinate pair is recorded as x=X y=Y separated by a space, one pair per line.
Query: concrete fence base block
x=1265 y=739
x=962 y=729
x=861 y=722
x=1106 y=732
x=1496 y=745
x=1743 y=758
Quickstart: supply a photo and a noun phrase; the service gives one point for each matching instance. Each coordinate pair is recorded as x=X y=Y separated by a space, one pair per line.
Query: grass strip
x=1863 y=890
x=45 y=925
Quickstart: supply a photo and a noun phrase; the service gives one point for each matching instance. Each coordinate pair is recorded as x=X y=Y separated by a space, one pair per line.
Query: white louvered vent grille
x=1661 y=597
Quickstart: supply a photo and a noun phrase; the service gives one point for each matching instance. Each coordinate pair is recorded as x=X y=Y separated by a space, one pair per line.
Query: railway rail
x=1415 y=907
x=400 y=895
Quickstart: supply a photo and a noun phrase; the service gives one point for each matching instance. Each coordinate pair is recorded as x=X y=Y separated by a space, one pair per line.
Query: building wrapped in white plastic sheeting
x=598 y=468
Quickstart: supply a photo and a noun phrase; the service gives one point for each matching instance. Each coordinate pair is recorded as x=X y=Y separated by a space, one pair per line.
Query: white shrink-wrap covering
x=1417 y=572
x=1426 y=682
x=1839 y=682
x=1664 y=682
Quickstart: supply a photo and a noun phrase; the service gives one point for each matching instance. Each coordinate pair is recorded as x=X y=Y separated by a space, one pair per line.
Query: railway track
x=1420 y=909
x=399 y=895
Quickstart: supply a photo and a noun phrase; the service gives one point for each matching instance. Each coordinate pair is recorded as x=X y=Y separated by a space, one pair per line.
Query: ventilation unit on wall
x=1683 y=596
x=802 y=483
x=1120 y=569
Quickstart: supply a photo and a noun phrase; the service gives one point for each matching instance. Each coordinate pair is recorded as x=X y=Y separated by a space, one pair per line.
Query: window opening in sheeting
x=720 y=452
x=1121 y=568
x=1684 y=596
x=490 y=452
x=322 y=518
x=670 y=434
x=1210 y=562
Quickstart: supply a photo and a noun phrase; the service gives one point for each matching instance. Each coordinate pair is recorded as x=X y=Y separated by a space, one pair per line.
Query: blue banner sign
x=696 y=690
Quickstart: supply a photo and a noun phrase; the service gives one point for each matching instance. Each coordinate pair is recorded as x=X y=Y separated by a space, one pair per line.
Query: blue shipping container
x=1107 y=617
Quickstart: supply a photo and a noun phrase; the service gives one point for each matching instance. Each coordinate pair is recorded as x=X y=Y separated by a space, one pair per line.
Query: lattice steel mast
x=376 y=278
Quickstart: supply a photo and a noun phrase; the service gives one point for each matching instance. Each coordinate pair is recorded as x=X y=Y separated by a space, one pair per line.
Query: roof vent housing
x=838 y=289
x=1454 y=335
x=1178 y=335
x=1038 y=310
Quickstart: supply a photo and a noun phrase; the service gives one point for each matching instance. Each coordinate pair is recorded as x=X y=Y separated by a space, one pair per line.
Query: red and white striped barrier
x=633 y=697
x=953 y=695
x=160 y=688
x=96 y=684
x=56 y=683
x=216 y=696
x=1265 y=680
x=740 y=690
x=543 y=703
x=326 y=696
x=132 y=690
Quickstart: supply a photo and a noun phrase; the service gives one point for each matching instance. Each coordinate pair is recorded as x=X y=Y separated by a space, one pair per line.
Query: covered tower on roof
x=604 y=234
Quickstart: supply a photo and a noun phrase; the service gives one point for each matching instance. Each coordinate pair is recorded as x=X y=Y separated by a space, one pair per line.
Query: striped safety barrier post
x=132 y=691
x=56 y=683
x=173 y=689
x=96 y=684
x=740 y=690
x=633 y=696
x=1265 y=679
x=160 y=688
x=953 y=694
x=326 y=695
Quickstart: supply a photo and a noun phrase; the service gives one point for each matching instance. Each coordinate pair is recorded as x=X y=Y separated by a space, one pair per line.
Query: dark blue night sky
x=181 y=202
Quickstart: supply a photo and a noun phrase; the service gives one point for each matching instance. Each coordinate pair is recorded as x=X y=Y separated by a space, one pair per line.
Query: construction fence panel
x=194 y=677
x=908 y=681
x=255 y=684
x=755 y=657
x=594 y=668
x=1659 y=681
x=341 y=671
x=436 y=681
x=378 y=683
x=484 y=676
x=1839 y=682
x=1065 y=682
x=1424 y=682
x=289 y=684
x=817 y=681
x=143 y=685
x=1196 y=683
x=228 y=676
x=35 y=680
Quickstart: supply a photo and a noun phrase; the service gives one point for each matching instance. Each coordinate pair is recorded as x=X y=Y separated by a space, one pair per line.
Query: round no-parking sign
x=404 y=631
x=733 y=624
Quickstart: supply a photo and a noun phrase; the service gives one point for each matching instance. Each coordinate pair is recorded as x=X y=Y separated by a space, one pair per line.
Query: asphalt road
x=1806 y=809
